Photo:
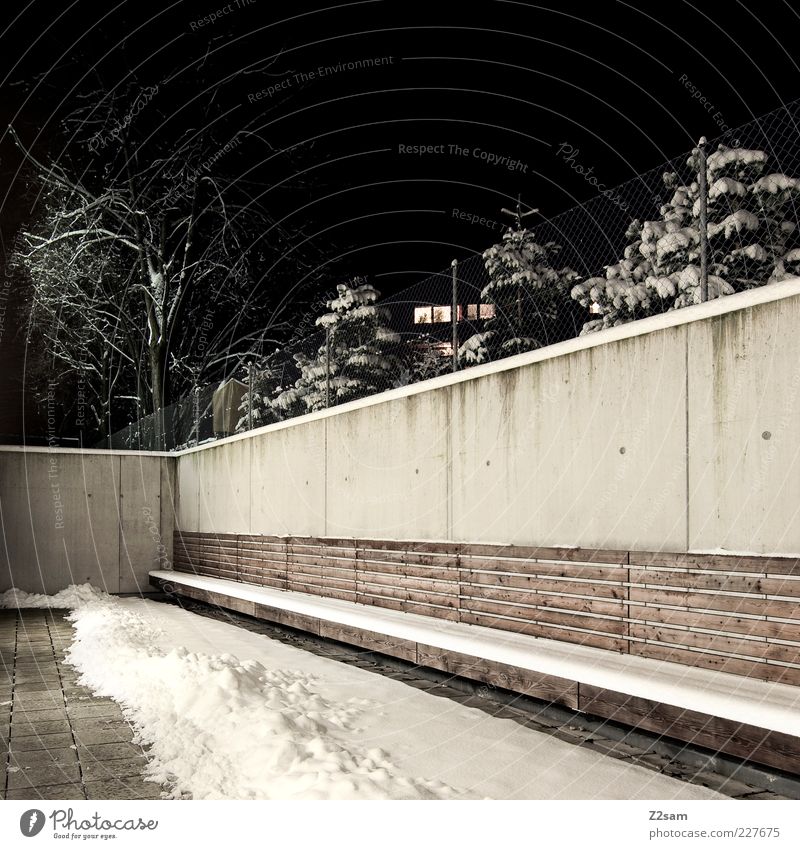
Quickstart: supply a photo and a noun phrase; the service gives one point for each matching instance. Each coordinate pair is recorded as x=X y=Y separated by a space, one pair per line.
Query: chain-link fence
x=715 y=220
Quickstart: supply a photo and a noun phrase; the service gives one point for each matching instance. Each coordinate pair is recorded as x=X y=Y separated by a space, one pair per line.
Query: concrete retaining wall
x=69 y=516
x=680 y=432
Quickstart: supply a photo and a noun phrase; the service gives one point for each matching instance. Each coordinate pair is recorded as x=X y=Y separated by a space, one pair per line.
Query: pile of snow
x=220 y=728
x=72 y=597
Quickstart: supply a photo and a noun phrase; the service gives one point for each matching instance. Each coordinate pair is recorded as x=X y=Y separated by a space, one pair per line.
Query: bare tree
x=154 y=247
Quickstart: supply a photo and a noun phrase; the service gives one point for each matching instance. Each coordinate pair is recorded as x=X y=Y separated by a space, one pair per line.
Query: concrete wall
x=680 y=433
x=70 y=516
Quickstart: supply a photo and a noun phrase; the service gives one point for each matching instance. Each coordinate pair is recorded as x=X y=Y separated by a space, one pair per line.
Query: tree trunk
x=157 y=381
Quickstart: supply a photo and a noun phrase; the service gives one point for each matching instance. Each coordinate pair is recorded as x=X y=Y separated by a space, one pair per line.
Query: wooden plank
x=722 y=643
x=772 y=748
x=419 y=596
x=763 y=670
x=372 y=640
x=532 y=584
x=405 y=582
x=287 y=617
x=546 y=568
x=564 y=635
x=583 y=555
x=534 y=684
x=724 y=562
x=433 y=611
x=566 y=602
x=410 y=546
x=715 y=601
x=717 y=581
x=321 y=561
x=552 y=617
x=408 y=558
x=437 y=573
x=717 y=622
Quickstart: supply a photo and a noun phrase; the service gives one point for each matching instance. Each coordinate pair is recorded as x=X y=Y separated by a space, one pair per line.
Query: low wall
x=676 y=433
x=70 y=516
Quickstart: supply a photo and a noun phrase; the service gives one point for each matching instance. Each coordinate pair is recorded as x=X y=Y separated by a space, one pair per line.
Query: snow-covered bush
x=532 y=306
x=365 y=355
x=752 y=240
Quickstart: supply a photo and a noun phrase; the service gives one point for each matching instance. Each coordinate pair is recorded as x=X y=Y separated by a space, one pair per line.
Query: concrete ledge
x=753 y=720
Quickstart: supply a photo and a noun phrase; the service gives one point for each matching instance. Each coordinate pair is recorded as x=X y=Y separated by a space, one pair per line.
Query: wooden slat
x=527 y=582
x=532 y=614
x=781 y=751
x=583 y=555
x=407 y=558
x=409 y=583
x=547 y=631
x=716 y=622
x=547 y=568
x=764 y=671
x=718 y=642
x=451 y=548
x=725 y=563
x=567 y=602
x=409 y=607
x=717 y=581
x=715 y=601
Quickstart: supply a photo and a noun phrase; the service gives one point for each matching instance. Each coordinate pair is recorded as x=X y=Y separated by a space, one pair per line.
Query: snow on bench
x=767 y=705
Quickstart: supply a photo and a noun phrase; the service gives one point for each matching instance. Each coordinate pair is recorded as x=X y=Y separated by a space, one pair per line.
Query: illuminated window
x=435 y=314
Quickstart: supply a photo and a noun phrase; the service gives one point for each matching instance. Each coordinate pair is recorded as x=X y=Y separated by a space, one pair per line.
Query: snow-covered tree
x=266 y=379
x=752 y=240
x=361 y=357
x=530 y=297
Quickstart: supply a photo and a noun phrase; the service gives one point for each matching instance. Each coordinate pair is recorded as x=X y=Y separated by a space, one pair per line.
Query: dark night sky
x=512 y=79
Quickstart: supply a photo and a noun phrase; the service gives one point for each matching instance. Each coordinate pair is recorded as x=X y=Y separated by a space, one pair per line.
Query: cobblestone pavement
x=60 y=741
x=726 y=776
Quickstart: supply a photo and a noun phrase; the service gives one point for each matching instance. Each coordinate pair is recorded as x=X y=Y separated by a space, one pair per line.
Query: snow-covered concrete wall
x=69 y=516
x=680 y=432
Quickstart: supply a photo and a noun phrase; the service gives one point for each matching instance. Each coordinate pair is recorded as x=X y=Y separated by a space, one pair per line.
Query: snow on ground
x=230 y=714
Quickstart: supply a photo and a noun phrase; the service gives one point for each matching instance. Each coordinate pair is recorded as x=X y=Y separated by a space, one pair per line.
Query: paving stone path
x=57 y=740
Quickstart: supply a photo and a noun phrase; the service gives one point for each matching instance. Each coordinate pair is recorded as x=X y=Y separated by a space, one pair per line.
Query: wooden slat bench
x=418 y=603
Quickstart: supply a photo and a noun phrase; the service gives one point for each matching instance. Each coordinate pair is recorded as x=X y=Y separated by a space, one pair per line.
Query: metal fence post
x=454 y=315
x=197 y=415
x=327 y=367
x=250 y=373
x=703 y=187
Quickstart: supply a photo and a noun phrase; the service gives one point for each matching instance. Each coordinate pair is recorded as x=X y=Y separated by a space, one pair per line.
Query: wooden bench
x=424 y=603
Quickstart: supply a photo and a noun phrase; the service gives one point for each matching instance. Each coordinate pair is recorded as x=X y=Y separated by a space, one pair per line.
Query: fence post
x=327 y=367
x=250 y=372
x=703 y=187
x=454 y=314
x=196 y=415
